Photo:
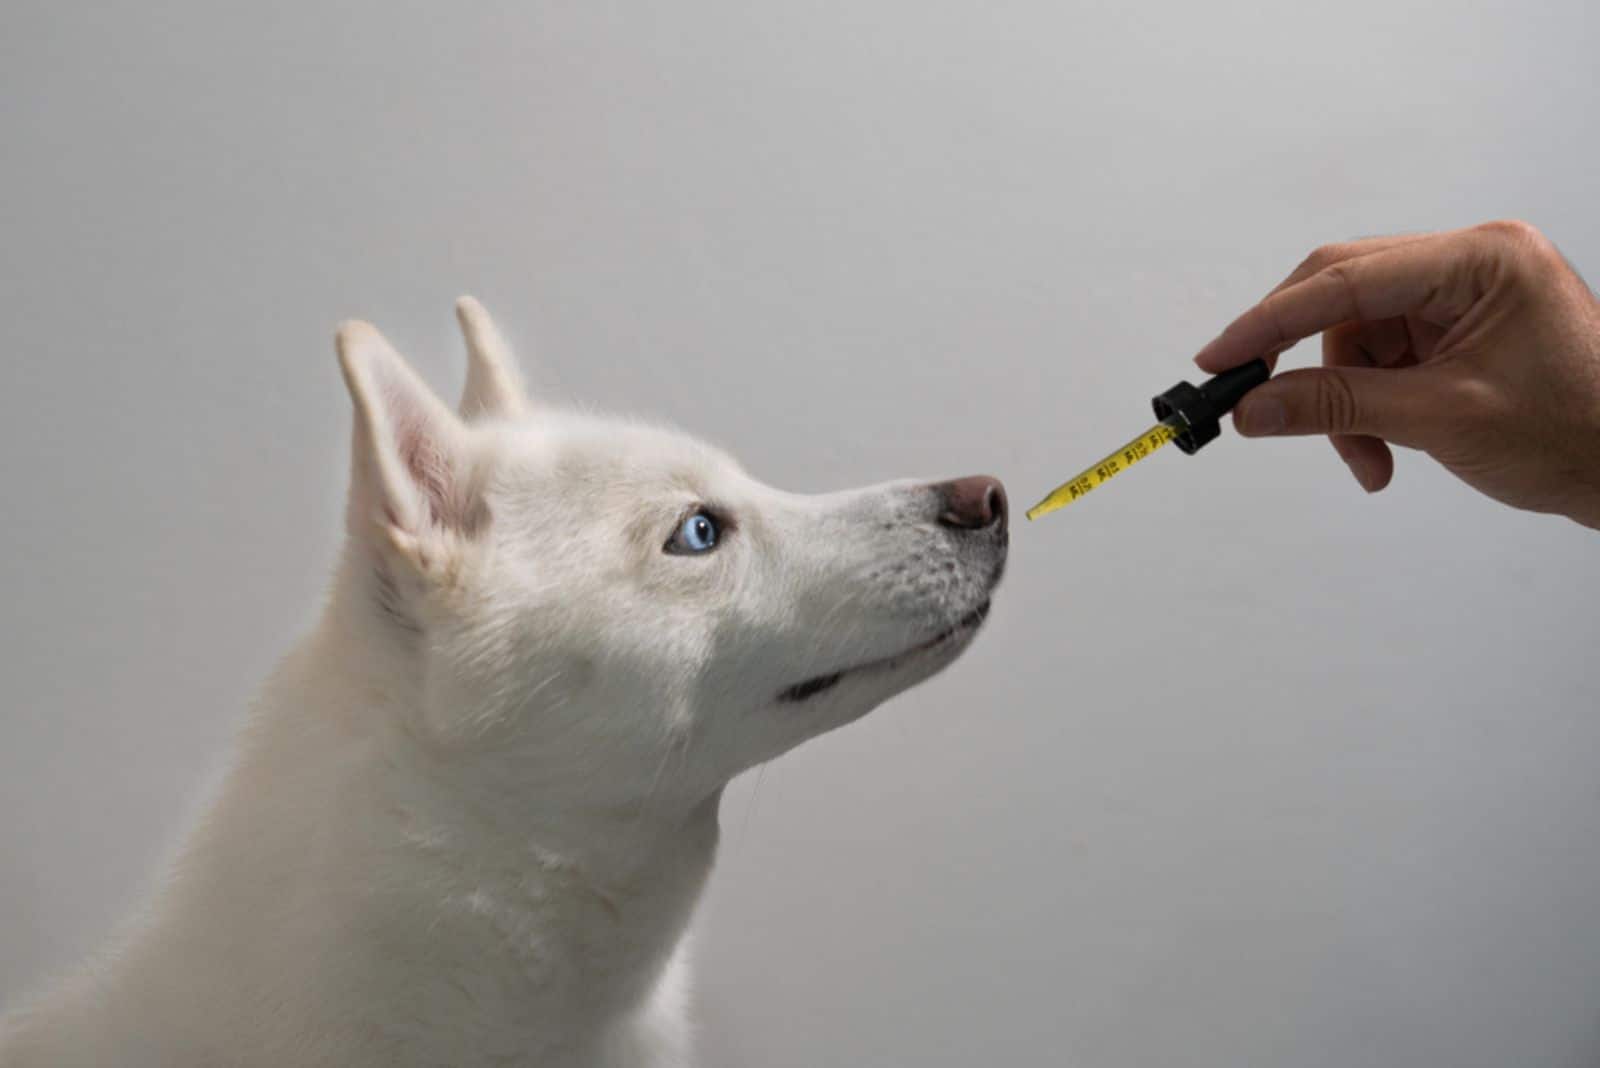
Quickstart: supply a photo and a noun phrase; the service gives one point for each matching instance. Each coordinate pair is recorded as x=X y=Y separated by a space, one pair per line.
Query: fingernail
x=1260 y=416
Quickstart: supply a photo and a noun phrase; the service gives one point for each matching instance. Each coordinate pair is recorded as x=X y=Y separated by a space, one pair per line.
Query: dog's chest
x=548 y=961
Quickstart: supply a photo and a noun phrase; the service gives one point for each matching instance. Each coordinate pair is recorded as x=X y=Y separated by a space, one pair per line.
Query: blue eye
x=696 y=534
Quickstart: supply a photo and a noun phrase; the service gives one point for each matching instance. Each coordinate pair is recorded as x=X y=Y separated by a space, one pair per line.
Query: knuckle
x=1321 y=257
x=1473 y=402
x=1271 y=324
x=1335 y=404
x=1338 y=277
x=1516 y=235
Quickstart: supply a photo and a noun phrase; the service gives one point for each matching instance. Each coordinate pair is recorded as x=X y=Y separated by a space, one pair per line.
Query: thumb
x=1381 y=403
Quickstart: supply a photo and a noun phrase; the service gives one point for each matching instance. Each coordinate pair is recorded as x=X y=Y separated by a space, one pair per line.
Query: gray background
x=1249 y=769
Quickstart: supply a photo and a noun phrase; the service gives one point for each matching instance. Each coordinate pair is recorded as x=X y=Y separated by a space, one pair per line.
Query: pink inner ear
x=425 y=461
x=430 y=470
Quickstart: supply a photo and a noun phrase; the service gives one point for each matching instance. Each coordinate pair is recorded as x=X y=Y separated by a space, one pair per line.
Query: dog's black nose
x=973 y=503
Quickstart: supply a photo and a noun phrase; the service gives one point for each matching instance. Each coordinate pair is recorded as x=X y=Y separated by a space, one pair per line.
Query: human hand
x=1481 y=347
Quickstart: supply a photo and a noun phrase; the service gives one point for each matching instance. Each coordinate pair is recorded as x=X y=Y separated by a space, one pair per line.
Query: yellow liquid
x=1112 y=465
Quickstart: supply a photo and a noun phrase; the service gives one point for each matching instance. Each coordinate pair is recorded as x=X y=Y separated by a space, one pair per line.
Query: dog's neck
x=559 y=919
x=497 y=789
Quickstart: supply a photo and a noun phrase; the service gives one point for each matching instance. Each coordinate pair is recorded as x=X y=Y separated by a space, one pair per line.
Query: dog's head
x=619 y=613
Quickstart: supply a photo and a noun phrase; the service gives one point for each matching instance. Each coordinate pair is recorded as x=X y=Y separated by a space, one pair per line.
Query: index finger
x=1328 y=255
x=1429 y=276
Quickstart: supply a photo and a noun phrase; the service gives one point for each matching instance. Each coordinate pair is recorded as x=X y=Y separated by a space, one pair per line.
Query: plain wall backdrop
x=1249 y=768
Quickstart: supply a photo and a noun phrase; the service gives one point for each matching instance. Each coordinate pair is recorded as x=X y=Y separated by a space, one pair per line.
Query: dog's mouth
x=811 y=687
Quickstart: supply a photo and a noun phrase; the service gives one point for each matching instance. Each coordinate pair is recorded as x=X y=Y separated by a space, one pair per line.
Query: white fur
x=470 y=813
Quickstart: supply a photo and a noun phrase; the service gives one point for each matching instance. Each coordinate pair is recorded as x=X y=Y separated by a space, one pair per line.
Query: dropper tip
x=1044 y=507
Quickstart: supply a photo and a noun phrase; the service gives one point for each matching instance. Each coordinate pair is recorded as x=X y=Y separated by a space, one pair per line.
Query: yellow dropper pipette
x=1190 y=415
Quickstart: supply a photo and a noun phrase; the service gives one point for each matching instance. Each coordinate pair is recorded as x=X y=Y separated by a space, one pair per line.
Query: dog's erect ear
x=409 y=482
x=494 y=389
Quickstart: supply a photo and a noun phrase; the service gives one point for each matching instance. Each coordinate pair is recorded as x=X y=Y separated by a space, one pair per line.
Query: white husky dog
x=470 y=813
